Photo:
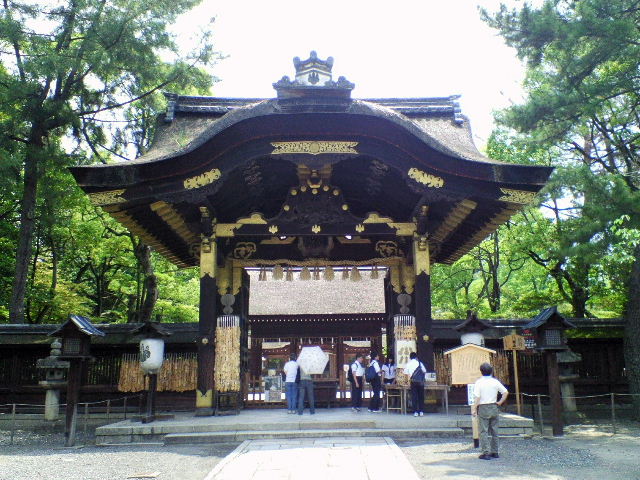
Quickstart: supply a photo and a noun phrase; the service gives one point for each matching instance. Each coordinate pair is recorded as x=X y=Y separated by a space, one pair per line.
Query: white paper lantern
x=151 y=355
x=473 y=337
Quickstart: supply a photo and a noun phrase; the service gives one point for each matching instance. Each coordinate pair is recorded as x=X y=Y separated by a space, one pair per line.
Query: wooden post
x=475 y=429
x=151 y=399
x=554 y=392
x=514 y=343
x=339 y=362
x=73 y=392
x=206 y=327
x=517 y=381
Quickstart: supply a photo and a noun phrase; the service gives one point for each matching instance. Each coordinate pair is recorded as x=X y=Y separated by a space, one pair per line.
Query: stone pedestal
x=568 y=392
x=52 y=405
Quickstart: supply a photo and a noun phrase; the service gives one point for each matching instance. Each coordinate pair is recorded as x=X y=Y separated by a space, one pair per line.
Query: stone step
x=240 y=436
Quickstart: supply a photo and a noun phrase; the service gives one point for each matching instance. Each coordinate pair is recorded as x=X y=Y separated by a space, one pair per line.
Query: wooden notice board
x=466 y=361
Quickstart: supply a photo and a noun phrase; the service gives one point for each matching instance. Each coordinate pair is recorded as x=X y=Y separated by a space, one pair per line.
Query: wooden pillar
x=256 y=357
x=206 y=327
x=553 y=377
x=422 y=296
x=389 y=302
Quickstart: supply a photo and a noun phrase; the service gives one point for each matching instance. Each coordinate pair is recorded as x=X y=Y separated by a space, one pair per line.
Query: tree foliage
x=583 y=101
x=73 y=69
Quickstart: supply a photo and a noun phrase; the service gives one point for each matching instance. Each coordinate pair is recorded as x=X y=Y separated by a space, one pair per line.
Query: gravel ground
x=40 y=457
x=584 y=453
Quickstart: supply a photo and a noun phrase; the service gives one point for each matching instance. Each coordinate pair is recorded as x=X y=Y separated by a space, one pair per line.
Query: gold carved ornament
x=208 y=257
x=425 y=178
x=408 y=277
x=403 y=229
x=224 y=281
x=421 y=255
x=387 y=248
x=203 y=179
x=517 y=196
x=314 y=147
x=244 y=250
x=107 y=198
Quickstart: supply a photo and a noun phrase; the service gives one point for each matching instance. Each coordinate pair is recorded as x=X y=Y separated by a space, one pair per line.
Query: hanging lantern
x=278 y=273
x=345 y=273
x=355 y=275
x=374 y=273
x=305 y=274
x=329 y=274
x=262 y=276
x=289 y=274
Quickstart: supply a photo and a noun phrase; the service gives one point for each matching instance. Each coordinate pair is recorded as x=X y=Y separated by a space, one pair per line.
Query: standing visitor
x=417 y=373
x=291 y=370
x=389 y=372
x=376 y=383
x=389 y=378
x=357 y=374
x=485 y=406
x=305 y=387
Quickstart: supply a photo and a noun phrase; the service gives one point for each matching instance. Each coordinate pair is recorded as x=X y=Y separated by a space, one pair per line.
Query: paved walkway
x=310 y=459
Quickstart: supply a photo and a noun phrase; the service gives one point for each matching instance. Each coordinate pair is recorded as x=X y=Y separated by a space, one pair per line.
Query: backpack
x=370 y=373
x=350 y=375
x=418 y=375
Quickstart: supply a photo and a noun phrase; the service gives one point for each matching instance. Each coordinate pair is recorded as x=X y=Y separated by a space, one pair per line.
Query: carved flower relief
x=387 y=248
x=425 y=178
x=244 y=250
x=203 y=179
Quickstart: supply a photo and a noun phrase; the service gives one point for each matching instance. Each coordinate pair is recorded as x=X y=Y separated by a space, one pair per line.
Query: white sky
x=407 y=48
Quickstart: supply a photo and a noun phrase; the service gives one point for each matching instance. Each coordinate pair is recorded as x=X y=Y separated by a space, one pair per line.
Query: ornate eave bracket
x=522 y=197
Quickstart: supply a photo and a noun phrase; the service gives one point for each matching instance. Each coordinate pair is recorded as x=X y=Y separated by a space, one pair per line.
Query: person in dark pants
x=305 y=387
x=357 y=370
x=485 y=406
x=376 y=384
x=417 y=372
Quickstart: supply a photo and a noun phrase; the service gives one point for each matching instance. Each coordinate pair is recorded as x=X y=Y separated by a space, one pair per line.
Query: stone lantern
x=54 y=371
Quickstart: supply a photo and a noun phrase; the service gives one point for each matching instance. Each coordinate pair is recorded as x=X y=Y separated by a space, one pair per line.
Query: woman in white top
x=389 y=371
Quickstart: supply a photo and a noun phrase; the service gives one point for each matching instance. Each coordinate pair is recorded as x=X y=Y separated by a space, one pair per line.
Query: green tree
x=67 y=62
x=583 y=96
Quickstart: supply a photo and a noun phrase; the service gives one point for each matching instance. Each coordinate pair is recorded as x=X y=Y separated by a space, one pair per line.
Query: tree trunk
x=25 y=235
x=150 y=290
x=632 y=333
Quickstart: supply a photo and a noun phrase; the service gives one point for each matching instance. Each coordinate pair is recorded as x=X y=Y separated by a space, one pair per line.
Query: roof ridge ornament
x=314 y=79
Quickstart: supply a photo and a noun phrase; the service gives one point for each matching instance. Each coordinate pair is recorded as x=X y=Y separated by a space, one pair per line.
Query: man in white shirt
x=291 y=371
x=485 y=407
x=357 y=370
x=417 y=373
x=376 y=384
